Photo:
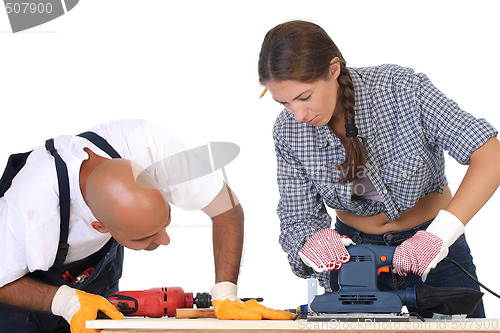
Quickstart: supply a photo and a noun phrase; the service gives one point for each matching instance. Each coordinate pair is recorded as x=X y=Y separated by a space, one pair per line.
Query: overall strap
x=100 y=142
x=64 y=202
x=64 y=190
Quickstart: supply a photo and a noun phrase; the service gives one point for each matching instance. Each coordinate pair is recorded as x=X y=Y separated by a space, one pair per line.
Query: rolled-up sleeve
x=448 y=126
x=300 y=209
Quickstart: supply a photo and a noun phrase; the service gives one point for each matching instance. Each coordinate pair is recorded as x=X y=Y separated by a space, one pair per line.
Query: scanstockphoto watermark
x=26 y=14
x=369 y=324
x=363 y=324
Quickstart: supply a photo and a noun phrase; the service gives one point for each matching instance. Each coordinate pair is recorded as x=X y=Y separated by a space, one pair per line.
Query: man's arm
x=227 y=217
x=227 y=236
x=74 y=305
x=227 y=231
x=28 y=294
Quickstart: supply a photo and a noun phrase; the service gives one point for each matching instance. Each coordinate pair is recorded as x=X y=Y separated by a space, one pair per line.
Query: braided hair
x=302 y=51
x=355 y=157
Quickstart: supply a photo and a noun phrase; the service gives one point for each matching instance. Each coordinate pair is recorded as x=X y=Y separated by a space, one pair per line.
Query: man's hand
x=228 y=307
x=325 y=250
x=77 y=307
x=233 y=310
x=250 y=310
x=422 y=252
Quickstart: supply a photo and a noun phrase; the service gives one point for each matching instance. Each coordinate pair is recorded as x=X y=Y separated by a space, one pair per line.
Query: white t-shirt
x=29 y=210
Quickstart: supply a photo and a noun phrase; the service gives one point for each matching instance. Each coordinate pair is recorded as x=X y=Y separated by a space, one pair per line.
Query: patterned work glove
x=422 y=252
x=77 y=307
x=325 y=250
x=228 y=307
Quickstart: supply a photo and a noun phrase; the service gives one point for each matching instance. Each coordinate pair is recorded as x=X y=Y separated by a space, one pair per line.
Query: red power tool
x=157 y=302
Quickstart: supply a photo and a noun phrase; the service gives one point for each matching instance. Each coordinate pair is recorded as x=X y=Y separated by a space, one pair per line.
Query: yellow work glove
x=229 y=310
x=228 y=307
x=267 y=313
x=77 y=307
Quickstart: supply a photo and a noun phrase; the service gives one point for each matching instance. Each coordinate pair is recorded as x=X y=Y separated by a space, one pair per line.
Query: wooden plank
x=210 y=325
x=194 y=313
x=287 y=331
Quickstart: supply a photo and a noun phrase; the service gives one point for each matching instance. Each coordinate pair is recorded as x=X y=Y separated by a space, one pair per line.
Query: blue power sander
x=360 y=299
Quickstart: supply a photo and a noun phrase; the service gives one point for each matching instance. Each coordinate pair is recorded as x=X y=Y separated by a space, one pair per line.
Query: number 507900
x=28 y=8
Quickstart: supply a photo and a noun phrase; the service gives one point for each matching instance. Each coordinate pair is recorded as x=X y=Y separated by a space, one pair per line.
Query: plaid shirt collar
x=363 y=116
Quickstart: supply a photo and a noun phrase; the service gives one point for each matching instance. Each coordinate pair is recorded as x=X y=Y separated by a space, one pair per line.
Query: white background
x=191 y=66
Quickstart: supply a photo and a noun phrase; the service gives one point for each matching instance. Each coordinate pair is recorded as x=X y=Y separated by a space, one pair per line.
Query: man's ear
x=99 y=227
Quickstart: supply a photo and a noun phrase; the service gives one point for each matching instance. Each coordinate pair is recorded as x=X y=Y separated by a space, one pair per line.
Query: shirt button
x=384 y=191
x=396 y=212
x=368 y=165
x=405 y=175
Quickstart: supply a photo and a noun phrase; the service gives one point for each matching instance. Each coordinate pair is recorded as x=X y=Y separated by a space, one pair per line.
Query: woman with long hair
x=369 y=142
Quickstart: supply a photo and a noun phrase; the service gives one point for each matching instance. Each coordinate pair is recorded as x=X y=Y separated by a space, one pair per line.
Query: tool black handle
x=102 y=315
x=258 y=299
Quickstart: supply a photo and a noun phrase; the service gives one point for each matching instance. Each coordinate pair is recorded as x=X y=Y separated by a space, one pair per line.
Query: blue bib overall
x=107 y=262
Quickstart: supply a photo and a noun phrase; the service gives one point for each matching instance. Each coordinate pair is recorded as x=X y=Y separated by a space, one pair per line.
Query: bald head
x=122 y=204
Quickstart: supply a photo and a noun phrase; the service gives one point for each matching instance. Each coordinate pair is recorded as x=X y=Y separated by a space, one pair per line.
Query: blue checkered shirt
x=404 y=123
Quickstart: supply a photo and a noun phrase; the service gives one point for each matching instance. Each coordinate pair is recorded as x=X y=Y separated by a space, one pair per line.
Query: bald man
x=118 y=197
x=136 y=215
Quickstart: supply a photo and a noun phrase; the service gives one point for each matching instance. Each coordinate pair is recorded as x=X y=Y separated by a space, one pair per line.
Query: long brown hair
x=302 y=51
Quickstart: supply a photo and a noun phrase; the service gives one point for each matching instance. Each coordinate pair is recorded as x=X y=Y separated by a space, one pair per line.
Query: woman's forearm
x=480 y=181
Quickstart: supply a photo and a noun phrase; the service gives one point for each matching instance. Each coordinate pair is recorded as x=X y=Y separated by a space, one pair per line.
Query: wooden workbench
x=157 y=325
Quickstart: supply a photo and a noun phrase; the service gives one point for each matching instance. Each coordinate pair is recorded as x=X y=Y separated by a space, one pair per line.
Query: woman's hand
x=325 y=250
x=422 y=252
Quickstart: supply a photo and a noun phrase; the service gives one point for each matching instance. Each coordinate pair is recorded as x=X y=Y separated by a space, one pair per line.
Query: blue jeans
x=444 y=275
